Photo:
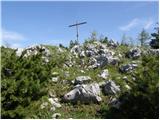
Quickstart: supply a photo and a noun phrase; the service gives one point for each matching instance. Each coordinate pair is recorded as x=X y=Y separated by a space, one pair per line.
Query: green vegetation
x=142 y=101
x=26 y=83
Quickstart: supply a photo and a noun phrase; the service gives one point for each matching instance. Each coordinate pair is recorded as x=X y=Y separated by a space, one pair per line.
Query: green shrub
x=25 y=85
x=143 y=100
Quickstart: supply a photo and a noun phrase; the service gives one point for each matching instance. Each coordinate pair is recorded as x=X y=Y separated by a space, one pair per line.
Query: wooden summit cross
x=77 y=24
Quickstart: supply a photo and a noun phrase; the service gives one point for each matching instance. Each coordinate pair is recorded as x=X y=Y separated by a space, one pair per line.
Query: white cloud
x=11 y=36
x=133 y=23
x=142 y=23
x=11 y=39
x=15 y=45
x=148 y=24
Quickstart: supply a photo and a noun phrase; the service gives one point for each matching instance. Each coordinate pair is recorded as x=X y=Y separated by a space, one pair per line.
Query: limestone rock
x=76 y=50
x=34 y=50
x=55 y=79
x=54 y=102
x=55 y=74
x=128 y=67
x=101 y=84
x=84 y=94
x=111 y=43
x=125 y=78
x=104 y=74
x=134 y=53
x=82 y=79
x=56 y=115
x=128 y=87
x=82 y=54
x=110 y=88
x=19 y=51
x=44 y=105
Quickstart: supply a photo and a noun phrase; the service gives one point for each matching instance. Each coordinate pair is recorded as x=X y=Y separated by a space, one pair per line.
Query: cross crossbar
x=77 y=24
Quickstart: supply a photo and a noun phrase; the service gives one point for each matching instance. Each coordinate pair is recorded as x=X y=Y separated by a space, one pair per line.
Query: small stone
x=133 y=78
x=43 y=105
x=101 y=84
x=55 y=79
x=55 y=74
x=125 y=78
x=82 y=79
x=128 y=87
x=82 y=71
x=104 y=74
x=56 y=115
x=66 y=74
x=51 y=94
x=54 y=103
x=82 y=54
x=53 y=108
x=55 y=99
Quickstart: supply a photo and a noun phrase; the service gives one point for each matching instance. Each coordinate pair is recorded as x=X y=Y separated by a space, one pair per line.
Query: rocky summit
x=83 y=81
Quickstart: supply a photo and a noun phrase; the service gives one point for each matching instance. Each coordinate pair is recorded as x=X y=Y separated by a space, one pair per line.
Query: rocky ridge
x=98 y=58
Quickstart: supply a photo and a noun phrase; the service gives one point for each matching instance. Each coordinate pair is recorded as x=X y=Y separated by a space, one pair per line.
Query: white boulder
x=84 y=94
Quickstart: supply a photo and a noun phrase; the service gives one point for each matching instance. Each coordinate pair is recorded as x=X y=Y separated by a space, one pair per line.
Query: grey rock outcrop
x=84 y=94
x=110 y=88
x=134 y=53
x=81 y=79
x=111 y=43
x=34 y=50
x=76 y=50
x=128 y=67
x=82 y=54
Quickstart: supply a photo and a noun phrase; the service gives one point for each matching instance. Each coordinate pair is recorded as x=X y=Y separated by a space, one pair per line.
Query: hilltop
x=98 y=79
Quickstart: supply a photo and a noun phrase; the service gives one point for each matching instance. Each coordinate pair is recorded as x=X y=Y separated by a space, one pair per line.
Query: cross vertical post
x=77 y=30
x=77 y=24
